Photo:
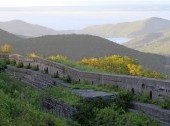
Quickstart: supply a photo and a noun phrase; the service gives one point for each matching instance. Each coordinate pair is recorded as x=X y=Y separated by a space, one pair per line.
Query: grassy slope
x=20 y=105
x=154 y=42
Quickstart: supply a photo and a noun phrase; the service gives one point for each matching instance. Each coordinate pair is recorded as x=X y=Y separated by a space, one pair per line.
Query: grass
x=144 y=98
x=116 y=116
x=63 y=94
x=104 y=88
x=78 y=66
x=21 y=105
x=15 y=112
x=25 y=103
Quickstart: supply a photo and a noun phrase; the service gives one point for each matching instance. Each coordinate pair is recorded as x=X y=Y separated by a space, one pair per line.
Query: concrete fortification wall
x=157 y=89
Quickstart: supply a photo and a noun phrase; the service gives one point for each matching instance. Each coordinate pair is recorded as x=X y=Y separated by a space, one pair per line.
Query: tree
x=6 y=48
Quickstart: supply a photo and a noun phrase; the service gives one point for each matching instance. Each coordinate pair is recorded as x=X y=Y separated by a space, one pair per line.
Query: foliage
x=63 y=94
x=20 y=65
x=6 y=48
x=58 y=58
x=28 y=66
x=35 y=68
x=2 y=65
x=15 y=112
x=64 y=60
x=99 y=113
x=165 y=104
x=20 y=105
x=12 y=62
x=104 y=88
x=120 y=65
x=116 y=116
x=33 y=55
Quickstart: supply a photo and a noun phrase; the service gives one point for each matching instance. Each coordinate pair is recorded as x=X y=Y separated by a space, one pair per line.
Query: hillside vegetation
x=21 y=105
x=153 y=42
x=76 y=47
x=150 y=35
x=114 y=64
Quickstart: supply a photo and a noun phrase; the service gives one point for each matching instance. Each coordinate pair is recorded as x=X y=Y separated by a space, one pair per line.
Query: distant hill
x=158 y=43
x=22 y=28
x=77 y=47
x=6 y=37
x=128 y=29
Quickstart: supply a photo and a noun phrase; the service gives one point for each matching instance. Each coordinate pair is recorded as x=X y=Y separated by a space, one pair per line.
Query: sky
x=77 y=14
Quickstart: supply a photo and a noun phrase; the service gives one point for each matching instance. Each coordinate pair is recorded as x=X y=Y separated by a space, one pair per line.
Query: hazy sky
x=76 y=14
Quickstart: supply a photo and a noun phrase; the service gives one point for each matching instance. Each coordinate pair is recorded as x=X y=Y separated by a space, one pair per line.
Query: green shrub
x=63 y=94
x=2 y=65
x=12 y=62
x=87 y=111
x=7 y=61
x=125 y=99
x=20 y=65
x=165 y=104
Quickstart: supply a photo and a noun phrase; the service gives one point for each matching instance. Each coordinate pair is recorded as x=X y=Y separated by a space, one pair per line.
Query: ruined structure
x=157 y=89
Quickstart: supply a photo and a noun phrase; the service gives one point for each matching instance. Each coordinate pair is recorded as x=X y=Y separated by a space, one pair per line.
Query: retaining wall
x=152 y=110
x=157 y=89
x=58 y=108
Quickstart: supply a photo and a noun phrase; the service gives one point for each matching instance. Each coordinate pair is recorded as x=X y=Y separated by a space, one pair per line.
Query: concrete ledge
x=152 y=110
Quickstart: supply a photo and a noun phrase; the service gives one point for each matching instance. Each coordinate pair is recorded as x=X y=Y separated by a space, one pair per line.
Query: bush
x=87 y=111
x=2 y=65
x=165 y=104
x=125 y=99
x=12 y=62
x=20 y=65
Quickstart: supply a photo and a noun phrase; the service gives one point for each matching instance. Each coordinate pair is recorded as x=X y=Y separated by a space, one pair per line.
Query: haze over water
x=77 y=14
x=119 y=40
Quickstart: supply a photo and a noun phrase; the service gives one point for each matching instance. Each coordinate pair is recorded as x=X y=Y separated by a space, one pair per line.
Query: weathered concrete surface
x=92 y=94
x=34 y=78
x=41 y=80
x=157 y=89
x=152 y=110
x=58 y=107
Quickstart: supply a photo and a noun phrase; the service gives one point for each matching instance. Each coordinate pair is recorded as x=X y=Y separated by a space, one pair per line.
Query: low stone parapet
x=152 y=110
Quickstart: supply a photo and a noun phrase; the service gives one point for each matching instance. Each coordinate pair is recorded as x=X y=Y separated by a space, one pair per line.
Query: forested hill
x=77 y=47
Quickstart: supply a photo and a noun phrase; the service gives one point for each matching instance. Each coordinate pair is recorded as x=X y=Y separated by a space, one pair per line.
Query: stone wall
x=4 y=56
x=152 y=110
x=33 y=78
x=58 y=108
x=157 y=89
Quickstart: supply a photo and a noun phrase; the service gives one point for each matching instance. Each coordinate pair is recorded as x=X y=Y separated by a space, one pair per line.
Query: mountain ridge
x=19 y=27
x=129 y=29
x=77 y=47
x=6 y=37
